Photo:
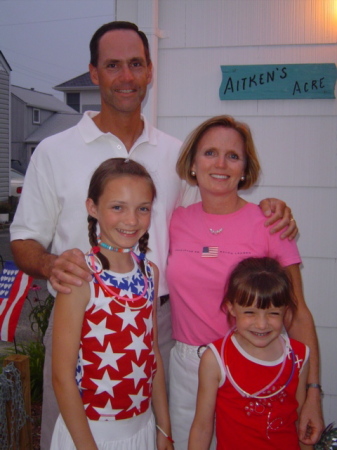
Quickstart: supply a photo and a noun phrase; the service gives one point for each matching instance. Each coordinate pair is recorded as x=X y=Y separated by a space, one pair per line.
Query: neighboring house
x=55 y=124
x=5 y=157
x=80 y=93
x=35 y=115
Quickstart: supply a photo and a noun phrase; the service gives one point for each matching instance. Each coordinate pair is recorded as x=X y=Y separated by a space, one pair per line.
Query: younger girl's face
x=123 y=210
x=257 y=328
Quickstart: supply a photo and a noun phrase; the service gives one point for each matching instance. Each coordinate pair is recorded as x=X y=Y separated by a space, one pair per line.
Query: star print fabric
x=116 y=361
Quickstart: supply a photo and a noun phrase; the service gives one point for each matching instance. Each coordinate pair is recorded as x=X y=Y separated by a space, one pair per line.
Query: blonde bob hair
x=189 y=150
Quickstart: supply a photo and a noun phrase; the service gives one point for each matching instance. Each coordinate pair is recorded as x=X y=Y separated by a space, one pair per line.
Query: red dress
x=257 y=423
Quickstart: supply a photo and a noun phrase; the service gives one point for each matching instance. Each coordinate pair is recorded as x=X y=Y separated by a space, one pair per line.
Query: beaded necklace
x=115 y=249
x=286 y=350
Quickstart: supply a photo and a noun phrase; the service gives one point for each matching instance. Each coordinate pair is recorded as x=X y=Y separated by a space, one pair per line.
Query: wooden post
x=21 y=362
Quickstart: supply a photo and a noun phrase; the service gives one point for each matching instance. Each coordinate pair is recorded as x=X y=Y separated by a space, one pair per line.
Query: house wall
x=30 y=127
x=18 y=127
x=4 y=130
x=296 y=139
x=22 y=127
x=90 y=100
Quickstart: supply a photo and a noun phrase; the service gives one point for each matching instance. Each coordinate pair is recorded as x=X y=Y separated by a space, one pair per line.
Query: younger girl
x=254 y=378
x=105 y=330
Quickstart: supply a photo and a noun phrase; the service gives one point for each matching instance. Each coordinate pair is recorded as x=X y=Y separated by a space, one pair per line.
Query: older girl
x=106 y=330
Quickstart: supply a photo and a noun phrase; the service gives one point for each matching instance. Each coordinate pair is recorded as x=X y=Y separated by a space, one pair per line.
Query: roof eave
x=76 y=88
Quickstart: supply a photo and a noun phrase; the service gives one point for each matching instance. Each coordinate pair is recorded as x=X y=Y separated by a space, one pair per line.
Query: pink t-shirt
x=199 y=264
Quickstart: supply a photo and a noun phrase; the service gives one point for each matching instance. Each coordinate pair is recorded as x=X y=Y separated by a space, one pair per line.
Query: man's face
x=122 y=72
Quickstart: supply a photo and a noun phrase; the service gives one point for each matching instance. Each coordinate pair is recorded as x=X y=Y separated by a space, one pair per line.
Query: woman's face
x=219 y=161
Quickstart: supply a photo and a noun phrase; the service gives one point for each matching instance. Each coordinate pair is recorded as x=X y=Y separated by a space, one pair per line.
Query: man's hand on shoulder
x=278 y=212
x=70 y=268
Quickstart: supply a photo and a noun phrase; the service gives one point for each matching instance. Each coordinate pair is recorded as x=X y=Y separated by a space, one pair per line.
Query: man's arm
x=277 y=211
x=32 y=258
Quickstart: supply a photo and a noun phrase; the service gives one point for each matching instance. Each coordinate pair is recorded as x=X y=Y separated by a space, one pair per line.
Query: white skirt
x=136 y=433
x=184 y=365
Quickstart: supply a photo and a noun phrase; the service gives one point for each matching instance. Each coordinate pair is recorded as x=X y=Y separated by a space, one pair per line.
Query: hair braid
x=92 y=227
x=143 y=248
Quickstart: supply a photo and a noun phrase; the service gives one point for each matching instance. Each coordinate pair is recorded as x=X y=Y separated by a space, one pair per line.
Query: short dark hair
x=263 y=280
x=116 y=25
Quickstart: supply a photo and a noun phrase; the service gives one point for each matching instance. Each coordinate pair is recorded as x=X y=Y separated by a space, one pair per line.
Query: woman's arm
x=303 y=329
x=300 y=397
x=203 y=424
x=159 y=395
x=68 y=319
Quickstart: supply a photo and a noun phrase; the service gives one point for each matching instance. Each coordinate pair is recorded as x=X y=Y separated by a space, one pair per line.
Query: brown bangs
x=261 y=282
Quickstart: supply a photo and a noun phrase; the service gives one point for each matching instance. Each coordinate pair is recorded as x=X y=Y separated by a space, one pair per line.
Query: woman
x=207 y=240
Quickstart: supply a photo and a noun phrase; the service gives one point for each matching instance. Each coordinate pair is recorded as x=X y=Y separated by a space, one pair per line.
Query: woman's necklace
x=206 y=219
x=257 y=394
x=216 y=231
x=96 y=268
x=235 y=207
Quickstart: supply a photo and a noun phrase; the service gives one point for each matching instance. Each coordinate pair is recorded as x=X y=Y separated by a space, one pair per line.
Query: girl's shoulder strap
x=301 y=352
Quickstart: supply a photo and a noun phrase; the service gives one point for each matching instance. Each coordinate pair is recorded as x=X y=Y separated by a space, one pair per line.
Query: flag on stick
x=14 y=287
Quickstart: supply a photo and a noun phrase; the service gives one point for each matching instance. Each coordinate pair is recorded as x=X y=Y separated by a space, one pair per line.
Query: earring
x=243 y=178
x=193 y=173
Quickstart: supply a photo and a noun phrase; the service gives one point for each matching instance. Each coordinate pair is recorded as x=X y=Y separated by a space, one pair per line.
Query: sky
x=46 y=42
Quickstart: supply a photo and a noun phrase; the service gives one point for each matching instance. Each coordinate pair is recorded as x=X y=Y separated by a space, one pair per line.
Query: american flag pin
x=209 y=252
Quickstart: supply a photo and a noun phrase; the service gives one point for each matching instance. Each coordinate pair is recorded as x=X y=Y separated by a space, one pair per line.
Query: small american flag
x=14 y=287
x=209 y=252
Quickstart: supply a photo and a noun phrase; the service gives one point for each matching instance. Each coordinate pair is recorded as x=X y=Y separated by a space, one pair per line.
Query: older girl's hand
x=163 y=443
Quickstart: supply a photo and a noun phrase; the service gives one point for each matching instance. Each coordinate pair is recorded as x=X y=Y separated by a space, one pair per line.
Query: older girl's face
x=219 y=162
x=123 y=210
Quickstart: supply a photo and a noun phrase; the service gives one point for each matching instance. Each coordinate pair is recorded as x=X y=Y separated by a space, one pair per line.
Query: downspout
x=147 y=21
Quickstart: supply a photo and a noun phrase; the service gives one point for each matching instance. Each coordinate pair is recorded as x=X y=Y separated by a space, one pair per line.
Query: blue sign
x=280 y=81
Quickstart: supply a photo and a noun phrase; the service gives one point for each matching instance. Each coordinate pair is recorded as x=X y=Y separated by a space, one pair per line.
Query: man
x=52 y=214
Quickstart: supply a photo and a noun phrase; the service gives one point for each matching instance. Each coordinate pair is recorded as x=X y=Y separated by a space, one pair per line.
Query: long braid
x=143 y=248
x=92 y=228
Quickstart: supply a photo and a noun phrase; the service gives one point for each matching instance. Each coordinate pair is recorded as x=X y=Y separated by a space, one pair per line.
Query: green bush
x=39 y=315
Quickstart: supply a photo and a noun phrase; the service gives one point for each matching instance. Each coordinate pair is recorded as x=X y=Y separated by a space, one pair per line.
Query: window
x=73 y=100
x=30 y=151
x=36 y=116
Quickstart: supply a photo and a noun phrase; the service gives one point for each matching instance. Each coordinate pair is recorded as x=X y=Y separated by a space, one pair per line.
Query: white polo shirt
x=52 y=205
